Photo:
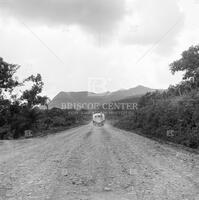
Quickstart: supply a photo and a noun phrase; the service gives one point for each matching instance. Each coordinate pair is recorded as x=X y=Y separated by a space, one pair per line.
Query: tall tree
x=7 y=83
x=32 y=96
x=7 y=80
x=188 y=63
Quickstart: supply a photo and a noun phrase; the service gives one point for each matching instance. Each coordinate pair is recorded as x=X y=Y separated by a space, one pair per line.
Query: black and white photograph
x=99 y=99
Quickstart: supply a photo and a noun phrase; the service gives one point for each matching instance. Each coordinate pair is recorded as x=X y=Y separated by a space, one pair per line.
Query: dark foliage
x=175 y=110
x=18 y=114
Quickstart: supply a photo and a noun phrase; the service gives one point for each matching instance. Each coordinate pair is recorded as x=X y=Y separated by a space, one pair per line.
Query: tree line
x=172 y=114
x=20 y=102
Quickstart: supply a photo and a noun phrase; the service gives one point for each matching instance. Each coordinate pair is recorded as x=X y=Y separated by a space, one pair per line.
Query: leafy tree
x=32 y=96
x=176 y=109
x=19 y=114
x=188 y=63
x=7 y=81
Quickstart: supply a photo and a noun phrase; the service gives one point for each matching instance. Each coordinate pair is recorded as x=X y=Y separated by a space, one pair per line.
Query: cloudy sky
x=97 y=45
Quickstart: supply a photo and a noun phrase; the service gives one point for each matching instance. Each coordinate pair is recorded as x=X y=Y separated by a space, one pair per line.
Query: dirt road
x=96 y=163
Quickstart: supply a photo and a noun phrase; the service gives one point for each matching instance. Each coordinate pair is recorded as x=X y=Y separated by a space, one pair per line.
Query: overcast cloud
x=55 y=38
x=156 y=22
x=94 y=15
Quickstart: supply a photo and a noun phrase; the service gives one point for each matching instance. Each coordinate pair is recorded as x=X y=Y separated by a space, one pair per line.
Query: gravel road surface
x=96 y=163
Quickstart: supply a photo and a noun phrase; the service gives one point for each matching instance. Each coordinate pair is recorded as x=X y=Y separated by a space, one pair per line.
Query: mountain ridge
x=90 y=97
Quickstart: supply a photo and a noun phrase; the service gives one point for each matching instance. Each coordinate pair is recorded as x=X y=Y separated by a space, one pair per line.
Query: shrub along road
x=97 y=163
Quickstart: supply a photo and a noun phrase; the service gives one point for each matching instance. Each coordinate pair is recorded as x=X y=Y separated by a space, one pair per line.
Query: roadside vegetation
x=20 y=103
x=173 y=114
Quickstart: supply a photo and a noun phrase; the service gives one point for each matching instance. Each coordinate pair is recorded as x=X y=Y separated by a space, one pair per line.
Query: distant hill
x=86 y=97
x=132 y=99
